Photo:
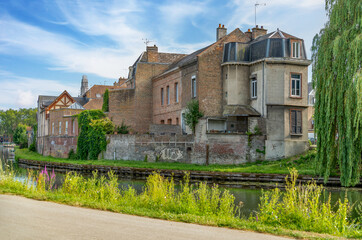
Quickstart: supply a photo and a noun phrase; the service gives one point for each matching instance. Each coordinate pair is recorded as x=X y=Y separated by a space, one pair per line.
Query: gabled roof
x=276 y=34
x=76 y=105
x=66 y=103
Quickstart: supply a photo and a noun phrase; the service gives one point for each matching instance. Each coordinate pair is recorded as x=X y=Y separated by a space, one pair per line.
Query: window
x=254 y=88
x=169 y=121
x=98 y=95
x=168 y=95
x=295 y=121
x=60 y=128
x=176 y=92
x=73 y=127
x=162 y=121
x=296 y=50
x=162 y=96
x=53 y=128
x=66 y=128
x=193 y=86
x=177 y=121
x=296 y=85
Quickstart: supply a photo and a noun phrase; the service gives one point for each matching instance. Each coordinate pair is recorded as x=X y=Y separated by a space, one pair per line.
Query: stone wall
x=57 y=146
x=153 y=148
x=165 y=129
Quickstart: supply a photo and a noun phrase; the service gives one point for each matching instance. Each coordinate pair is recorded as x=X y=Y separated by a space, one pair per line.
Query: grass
x=303 y=163
x=193 y=203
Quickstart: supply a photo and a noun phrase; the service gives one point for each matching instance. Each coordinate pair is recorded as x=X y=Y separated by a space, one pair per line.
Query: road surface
x=22 y=218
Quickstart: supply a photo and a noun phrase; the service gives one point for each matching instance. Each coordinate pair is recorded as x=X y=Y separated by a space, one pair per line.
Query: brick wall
x=173 y=109
x=63 y=116
x=57 y=146
x=122 y=106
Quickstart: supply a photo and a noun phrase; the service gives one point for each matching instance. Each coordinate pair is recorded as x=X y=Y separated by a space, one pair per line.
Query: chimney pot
x=223 y=26
x=219 y=25
x=257 y=26
x=249 y=30
x=261 y=27
x=220 y=32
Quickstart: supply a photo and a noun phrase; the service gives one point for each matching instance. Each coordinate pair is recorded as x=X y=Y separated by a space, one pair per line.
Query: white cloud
x=18 y=91
x=64 y=53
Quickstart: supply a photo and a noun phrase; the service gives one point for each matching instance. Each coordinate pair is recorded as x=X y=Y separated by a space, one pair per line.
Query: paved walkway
x=22 y=218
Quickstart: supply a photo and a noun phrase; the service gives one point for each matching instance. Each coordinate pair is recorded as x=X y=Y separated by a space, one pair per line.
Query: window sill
x=296 y=134
x=297 y=97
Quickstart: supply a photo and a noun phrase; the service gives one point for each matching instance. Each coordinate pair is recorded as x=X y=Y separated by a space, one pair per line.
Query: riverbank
x=196 y=203
x=256 y=174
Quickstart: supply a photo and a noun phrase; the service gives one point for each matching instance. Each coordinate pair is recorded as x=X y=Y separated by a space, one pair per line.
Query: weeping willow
x=337 y=78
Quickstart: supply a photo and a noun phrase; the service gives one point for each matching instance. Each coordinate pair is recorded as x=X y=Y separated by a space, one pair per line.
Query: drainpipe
x=263 y=89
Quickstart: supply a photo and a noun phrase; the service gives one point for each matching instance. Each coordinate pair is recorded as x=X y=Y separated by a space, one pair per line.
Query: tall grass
x=302 y=207
x=299 y=207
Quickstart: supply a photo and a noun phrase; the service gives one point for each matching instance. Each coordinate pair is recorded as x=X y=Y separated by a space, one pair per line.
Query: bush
x=123 y=129
x=32 y=147
x=72 y=154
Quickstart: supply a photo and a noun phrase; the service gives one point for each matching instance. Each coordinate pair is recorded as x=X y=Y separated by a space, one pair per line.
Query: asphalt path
x=22 y=218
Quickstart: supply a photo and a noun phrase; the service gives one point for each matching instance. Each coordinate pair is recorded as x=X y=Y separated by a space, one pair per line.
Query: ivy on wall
x=93 y=126
x=337 y=78
x=105 y=106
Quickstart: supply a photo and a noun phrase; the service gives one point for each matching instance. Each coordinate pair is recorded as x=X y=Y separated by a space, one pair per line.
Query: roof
x=187 y=59
x=276 y=34
x=95 y=103
x=76 y=105
x=44 y=101
x=240 y=110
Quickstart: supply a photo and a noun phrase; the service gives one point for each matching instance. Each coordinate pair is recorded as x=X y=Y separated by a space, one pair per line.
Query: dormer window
x=296 y=50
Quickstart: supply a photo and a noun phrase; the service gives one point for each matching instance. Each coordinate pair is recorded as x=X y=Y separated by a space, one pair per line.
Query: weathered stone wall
x=153 y=148
x=57 y=146
x=165 y=129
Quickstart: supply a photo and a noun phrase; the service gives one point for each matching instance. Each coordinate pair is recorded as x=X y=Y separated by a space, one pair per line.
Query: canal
x=250 y=196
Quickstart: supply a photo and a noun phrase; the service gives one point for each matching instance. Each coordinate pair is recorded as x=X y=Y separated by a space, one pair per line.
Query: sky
x=47 y=45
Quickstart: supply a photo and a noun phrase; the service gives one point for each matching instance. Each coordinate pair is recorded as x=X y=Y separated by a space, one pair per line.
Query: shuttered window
x=295 y=121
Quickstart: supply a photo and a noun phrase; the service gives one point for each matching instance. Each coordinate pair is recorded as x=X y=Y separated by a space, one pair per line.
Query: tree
x=9 y=119
x=337 y=78
x=192 y=114
x=20 y=136
x=105 y=107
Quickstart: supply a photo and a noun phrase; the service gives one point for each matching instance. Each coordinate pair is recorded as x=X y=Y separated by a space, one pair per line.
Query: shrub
x=123 y=129
x=72 y=154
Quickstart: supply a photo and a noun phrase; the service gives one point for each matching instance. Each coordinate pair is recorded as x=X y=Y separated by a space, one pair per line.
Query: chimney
x=152 y=53
x=221 y=31
x=258 y=32
x=249 y=34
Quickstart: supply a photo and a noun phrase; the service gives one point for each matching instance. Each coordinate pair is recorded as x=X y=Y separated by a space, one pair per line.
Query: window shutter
x=299 y=121
x=293 y=123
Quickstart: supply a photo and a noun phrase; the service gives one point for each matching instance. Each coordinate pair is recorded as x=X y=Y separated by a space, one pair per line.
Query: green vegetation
x=192 y=114
x=105 y=106
x=10 y=119
x=20 y=136
x=337 y=78
x=93 y=126
x=301 y=207
x=303 y=163
x=123 y=129
x=195 y=203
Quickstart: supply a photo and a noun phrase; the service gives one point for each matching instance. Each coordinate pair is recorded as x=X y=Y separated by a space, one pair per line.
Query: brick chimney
x=258 y=32
x=152 y=53
x=249 y=34
x=221 y=31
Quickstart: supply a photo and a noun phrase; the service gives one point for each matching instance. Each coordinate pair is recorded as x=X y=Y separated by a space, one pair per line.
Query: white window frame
x=193 y=87
x=254 y=88
x=162 y=93
x=296 y=50
x=60 y=128
x=66 y=128
x=168 y=94
x=73 y=130
x=294 y=90
x=176 y=92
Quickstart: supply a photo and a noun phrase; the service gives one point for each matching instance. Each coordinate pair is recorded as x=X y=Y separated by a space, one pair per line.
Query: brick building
x=253 y=81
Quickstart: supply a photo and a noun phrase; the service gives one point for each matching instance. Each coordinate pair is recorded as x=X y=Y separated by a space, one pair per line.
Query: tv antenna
x=146 y=41
x=256 y=5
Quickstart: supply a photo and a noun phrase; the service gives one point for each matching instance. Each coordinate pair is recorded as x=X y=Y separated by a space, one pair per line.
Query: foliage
x=198 y=203
x=45 y=181
x=72 y=154
x=192 y=114
x=105 y=106
x=301 y=207
x=32 y=146
x=9 y=119
x=337 y=78
x=123 y=129
x=97 y=136
x=20 y=136
x=93 y=126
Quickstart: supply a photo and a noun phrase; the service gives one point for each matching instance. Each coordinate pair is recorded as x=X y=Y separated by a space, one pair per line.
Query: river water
x=250 y=196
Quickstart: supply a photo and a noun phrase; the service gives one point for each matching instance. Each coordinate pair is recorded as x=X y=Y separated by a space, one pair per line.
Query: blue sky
x=47 y=45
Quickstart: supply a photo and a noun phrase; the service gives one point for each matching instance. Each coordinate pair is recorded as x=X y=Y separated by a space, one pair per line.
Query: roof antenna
x=256 y=5
x=146 y=41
